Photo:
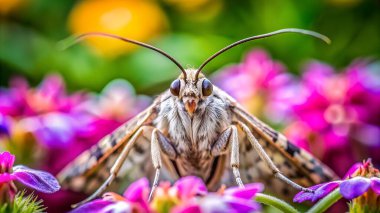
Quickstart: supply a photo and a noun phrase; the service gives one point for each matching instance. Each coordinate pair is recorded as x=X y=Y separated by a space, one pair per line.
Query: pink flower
x=234 y=199
x=60 y=126
x=188 y=194
x=336 y=110
x=135 y=199
x=256 y=83
x=35 y=179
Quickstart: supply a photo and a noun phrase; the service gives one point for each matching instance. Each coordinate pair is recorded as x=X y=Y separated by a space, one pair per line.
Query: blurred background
x=326 y=98
x=190 y=31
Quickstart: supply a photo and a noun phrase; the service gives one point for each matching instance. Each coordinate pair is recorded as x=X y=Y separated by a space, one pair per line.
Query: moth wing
x=91 y=168
x=293 y=162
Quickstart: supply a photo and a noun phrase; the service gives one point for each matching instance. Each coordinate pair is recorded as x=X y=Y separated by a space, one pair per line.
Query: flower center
x=335 y=114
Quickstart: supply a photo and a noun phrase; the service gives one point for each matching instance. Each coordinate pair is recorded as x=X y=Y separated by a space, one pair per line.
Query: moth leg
x=159 y=143
x=263 y=155
x=230 y=135
x=115 y=168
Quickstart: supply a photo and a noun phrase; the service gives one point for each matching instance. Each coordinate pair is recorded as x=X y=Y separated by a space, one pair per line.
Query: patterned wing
x=89 y=170
x=295 y=163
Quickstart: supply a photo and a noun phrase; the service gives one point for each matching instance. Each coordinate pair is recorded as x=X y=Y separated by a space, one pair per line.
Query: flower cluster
x=361 y=184
x=188 y=194
x=259 y=83
x=35 y=179
x=47 y=128
x=325 y=112
x=56 y=121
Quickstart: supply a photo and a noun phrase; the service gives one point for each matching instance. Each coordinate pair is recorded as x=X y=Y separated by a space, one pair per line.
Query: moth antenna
x=287 y=30
x=73 y=40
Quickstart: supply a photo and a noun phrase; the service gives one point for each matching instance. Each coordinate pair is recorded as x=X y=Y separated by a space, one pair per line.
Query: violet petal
x=375 y=185
x=93 y=207
x=214 y=204
x=303 y=196
x=242 y=205
x=121 y=207
x=136 y=191
x=354 y=187
x=324 y=190
x=4 y=126
x=38 y=180
x=247 y=192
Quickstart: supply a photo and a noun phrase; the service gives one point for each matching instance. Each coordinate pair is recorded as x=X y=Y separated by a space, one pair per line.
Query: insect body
x=195 y=128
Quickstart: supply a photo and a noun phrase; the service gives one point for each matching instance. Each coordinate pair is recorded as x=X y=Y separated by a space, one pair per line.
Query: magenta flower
x=134 y=200
x=335 y=103
x=234 y=199
x=49 y=96
x=189 y=187
x=365 y=178
x=259 y=83
x=35 y=179
x=188 y=194
x=336 y=110
x=44 y=111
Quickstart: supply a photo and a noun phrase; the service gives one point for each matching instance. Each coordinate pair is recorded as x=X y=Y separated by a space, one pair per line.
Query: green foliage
x=29 y=37
x=24 y=204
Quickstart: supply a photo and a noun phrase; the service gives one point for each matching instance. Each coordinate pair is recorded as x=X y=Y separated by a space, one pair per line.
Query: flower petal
x=94 y=206
x=320 y=191
x=138 y=190
x=120 y=207
x=247 y=192
x=352 y=169
x=187 y=208
x=6 y=177
x=190 y=186
x=354 y=187
x=214 y=204
x=375 y=185
x=242 y=205
x=6 y=161
x=303 y=196
x=325 y=190
x=38 y=180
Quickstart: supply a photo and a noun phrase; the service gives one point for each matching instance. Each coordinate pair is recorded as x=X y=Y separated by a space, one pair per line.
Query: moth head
x=191 y=87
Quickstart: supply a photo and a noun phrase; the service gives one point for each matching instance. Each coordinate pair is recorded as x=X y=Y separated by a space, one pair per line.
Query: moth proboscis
x=195 y=128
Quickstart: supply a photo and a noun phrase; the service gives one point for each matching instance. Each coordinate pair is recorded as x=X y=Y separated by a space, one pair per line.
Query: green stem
x=275 y=202
x=326 y=202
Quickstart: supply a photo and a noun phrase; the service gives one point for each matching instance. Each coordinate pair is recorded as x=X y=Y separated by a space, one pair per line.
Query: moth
x=195 y=128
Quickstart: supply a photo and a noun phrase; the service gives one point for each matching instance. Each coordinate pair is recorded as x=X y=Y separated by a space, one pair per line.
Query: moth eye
x=175 y=87
x=206 y=87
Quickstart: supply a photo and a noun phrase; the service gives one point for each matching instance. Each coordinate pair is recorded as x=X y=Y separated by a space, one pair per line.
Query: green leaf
x=24 y=204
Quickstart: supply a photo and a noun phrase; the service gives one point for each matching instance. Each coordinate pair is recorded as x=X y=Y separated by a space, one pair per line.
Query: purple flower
x=35 y=179
x=360 y=179
x=188 y=194
x=134 y=200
